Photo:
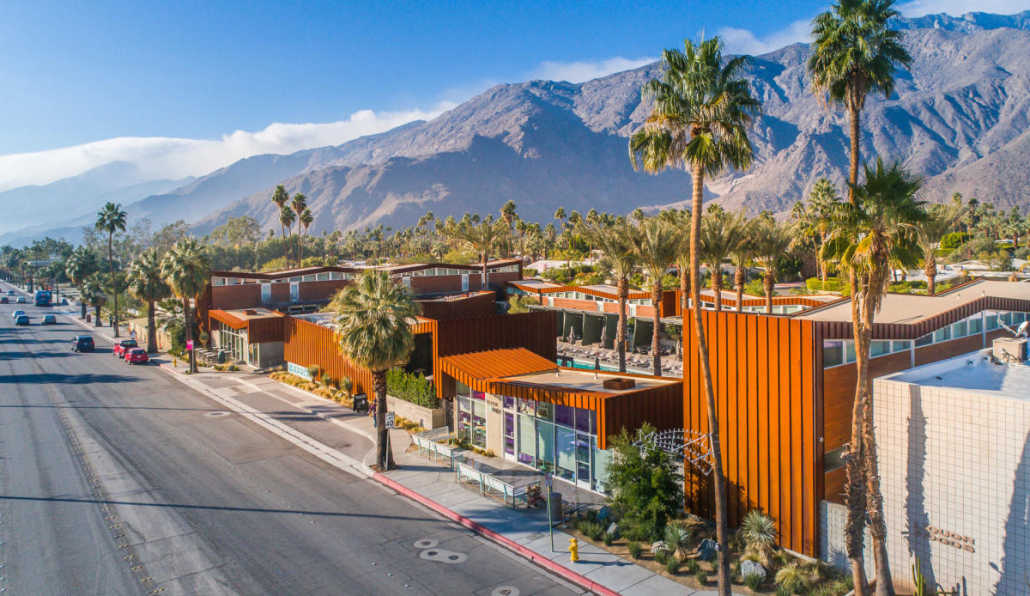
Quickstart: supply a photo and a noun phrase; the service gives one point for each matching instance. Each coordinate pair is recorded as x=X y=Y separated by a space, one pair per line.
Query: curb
x=500 y=539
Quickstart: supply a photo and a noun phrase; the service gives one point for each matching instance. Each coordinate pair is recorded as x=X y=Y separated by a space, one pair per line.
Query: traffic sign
x=189 y=344
x=390 y=419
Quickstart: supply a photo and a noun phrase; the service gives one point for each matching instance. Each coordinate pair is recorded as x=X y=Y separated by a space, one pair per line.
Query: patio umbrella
x=604 y=335
x=572 y=335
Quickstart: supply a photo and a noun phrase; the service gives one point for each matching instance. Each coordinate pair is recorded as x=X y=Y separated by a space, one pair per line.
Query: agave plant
x=758 y=531
x=677 y=539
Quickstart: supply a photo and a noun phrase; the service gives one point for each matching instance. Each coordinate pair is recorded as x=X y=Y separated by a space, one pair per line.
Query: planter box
x=426 y=417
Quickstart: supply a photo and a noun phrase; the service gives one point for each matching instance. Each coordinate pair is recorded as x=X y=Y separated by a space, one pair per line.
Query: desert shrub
x=609 y=538
x=758 y=531
x=412 y=388
x=955 y=239
x=701 y=576
x=663 y=556
x=326 y=380
x=672 y=565
x=793 y=578
x=634 y=549
x=314 y=371
x=693 y=565
x=346 y=384
x=815 y=284
x=753 y=581
x=677 y=539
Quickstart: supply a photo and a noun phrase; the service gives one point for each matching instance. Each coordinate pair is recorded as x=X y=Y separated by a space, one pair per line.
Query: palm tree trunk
x=151 y=328
x=188 y=328
x=854 y=490
x=769 y=283
x=82 y=302
x=874 y=497
x=286 y=249
x=382 y=436
x=855 y=121
x=656 y=337
x=485 y=281
x=739 y=279
x=930 y=269
x=717 y=285
x=684 y=288
x=114 y=283
x=620 y=334
x=721 y=529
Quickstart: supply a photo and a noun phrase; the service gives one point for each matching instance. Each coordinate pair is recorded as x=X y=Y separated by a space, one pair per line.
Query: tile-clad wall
x=957 y=463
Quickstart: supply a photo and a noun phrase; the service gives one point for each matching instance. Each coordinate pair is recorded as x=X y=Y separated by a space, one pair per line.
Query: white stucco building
x=954 y=447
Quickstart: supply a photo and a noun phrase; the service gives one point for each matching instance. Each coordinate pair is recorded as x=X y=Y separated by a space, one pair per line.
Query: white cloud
x=163 y=157
x=578 y=72
x=957 y=8
x=742 y=41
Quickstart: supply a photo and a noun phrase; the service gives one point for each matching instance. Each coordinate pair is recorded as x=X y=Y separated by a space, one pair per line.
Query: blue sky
x=79 y=73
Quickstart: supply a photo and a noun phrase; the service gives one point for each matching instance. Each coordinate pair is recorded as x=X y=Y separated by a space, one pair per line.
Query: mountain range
x=959 y=116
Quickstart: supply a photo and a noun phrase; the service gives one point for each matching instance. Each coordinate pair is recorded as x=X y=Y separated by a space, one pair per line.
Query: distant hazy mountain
x=120 y=182
x=960 y=116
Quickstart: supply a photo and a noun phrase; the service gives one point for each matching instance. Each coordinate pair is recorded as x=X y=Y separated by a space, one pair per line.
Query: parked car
x=4 y=300
x=48 y=320
x=123 y=346
x=21 y=320
x=22 y=300
x=83 y=343
x=10 y=292
x=136 y=356
x=17 y=313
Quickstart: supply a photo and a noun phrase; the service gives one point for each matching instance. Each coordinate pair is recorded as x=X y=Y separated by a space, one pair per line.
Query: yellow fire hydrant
x=574 y=550
x=175 y=362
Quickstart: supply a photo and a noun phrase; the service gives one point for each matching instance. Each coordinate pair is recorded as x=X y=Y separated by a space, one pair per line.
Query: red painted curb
x=511 y=545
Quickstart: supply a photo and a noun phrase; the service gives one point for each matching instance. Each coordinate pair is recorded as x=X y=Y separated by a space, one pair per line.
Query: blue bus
x=43 y=298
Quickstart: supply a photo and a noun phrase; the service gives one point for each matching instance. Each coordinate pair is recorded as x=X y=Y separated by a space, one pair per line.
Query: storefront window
x=544 y=410
x=833 y=353
x=472 y=421
x=601 y=461
x=545 y=445
x=527 y=406
x=509 y=402
x=564 y=415
x=527 y=440
x=565 y=449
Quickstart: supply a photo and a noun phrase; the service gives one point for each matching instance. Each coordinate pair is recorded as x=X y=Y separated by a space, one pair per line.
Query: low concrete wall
x=426 y=417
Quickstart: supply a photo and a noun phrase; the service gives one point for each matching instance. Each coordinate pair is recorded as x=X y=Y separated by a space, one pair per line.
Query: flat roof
x=249 y=314
x=915 y=308
x=972 y=373
x=586 y=380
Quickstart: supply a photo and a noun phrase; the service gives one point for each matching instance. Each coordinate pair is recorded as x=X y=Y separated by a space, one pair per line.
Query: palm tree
x=147 y=284
x=93 y=294
x=680 y=220
x=374 y=315
x=299 y=203
x=655 y=249
x=741 y=257
x=482 y=237
x=880 y=227
x=771 y=240
x=111 y=219
x=721 y=232
x=186 y=268
x=286 y=219
x=280 y=197
x=702 y=109
x=939 y=221
x=80 y=265
x=856 y=52
x=815 y=219
x=305 y=219
x=617 y=242
x=509 y=216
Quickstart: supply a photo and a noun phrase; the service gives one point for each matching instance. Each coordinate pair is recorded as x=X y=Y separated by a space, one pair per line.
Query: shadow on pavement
x=83 y=379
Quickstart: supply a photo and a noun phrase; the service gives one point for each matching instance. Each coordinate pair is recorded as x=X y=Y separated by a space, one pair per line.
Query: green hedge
x=955 y=239
x=411 y=387
x=833 y=284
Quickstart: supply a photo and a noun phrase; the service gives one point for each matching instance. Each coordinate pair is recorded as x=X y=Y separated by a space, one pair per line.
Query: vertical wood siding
x=764 y=377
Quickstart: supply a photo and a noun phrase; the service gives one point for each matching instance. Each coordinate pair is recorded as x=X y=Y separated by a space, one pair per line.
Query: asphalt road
x=120 y=480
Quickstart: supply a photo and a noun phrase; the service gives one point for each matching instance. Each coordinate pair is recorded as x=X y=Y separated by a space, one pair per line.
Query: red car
x=136 y=356
x=123 y=346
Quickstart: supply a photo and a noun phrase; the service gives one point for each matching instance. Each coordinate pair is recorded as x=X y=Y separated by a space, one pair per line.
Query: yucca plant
x=758 y=531
x=677 y=539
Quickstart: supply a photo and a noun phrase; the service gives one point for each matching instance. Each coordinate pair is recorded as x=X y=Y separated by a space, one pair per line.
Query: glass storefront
x=548 y=437
x=235 y=344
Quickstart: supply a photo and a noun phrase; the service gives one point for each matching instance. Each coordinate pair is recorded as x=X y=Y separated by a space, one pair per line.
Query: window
x=1007 y=318
x=849 y=351
x=960 y=329
x=833 y=353
x=992 y=322
x=564 y=415
x=976 y=325
x=901 y=345
x=879 y=348
x=1017 y=318
x=942 y=335
x=527 y=406
x=833 y=459
x=924 y=340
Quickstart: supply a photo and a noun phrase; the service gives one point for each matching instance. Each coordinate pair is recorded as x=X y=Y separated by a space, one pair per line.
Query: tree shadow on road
x=80 y=379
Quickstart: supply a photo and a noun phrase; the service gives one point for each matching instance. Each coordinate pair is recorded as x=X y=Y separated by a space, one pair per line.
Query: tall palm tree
x=940 y=219
x=655 y=248
x=482 y=237
x=616 y=243
x=286 y=219
x=80 y=265
x=741 y=257
x=771 y=240
x=280 y=197
x=815 y=220
x=374 y=315
x=880 y=227
x=299 y=203
x=305 y=219
x=855 y=53
x=147 y=284
x=702 y=108
x=721 y=232
x=93 y=293
x=111 y=219
x=680 y=220
x=509 y=215
x=186 y=268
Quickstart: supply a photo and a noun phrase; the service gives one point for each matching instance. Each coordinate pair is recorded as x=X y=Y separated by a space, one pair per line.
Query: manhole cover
x=425 y=543
x=505 y=591
x=217 y=414
x=443 y=556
